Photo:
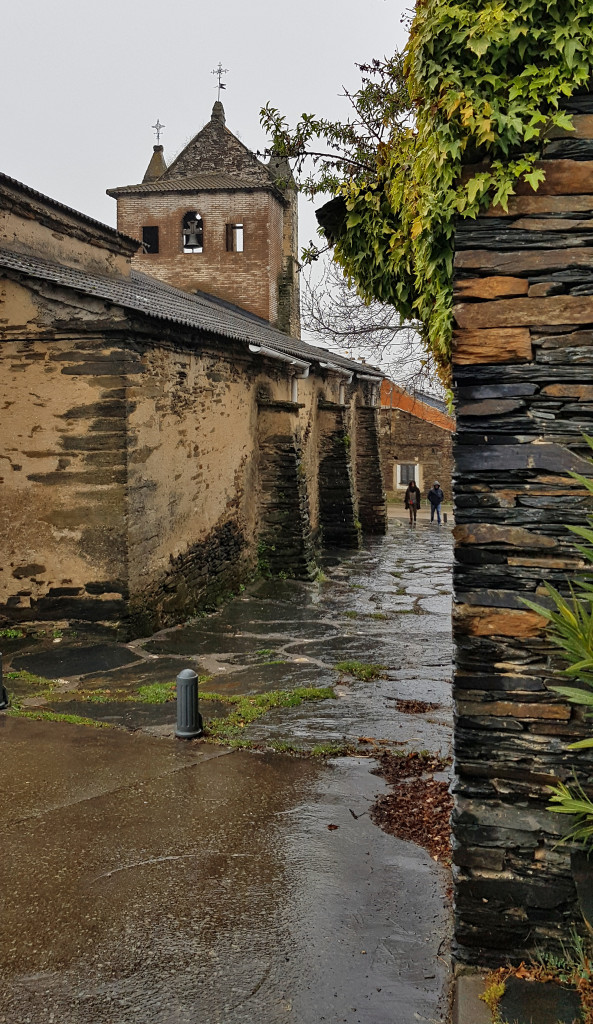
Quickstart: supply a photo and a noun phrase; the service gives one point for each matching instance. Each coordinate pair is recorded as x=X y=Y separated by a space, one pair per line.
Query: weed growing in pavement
x=160 y=693
x=361 y=670
x=319 y=750
x=32 y=680
x=572 y=965
x=350 y=615
x=229 y=730
x=95 y=696
x=16 y=711
x=11 y=634
x=156 y=693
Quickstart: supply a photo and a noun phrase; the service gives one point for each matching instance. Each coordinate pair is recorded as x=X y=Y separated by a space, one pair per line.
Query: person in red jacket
x=412 y=500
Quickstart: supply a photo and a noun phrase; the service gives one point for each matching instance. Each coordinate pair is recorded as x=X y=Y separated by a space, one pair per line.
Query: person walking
x=412 y=500
x=435 y=497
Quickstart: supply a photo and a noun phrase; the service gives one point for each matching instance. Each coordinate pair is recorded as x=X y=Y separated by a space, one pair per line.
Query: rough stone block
x=490 y=287
x=537 y=312
x=514 y=536
x=488 y=346
x=476 y=621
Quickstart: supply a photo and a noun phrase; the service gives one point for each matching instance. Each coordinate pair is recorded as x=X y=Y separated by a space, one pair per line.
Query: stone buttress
x=338 y=516
x=370 y=488
x=285 y=538
x=523 y=384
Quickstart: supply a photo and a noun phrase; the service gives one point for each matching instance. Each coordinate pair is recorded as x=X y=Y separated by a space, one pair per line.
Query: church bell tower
x=218 y=220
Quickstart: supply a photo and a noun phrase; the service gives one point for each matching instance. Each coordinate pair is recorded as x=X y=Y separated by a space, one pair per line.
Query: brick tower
x=218 y=220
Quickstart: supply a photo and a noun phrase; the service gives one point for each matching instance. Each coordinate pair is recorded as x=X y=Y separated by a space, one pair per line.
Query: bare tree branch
x=334 y=315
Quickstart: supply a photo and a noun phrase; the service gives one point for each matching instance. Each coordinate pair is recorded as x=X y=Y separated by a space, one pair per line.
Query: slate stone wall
x=370 y=490
x=523 y=382
x=285 y=536
x=338 y=516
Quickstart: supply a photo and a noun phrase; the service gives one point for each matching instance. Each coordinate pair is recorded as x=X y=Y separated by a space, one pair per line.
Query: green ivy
x=486 y=80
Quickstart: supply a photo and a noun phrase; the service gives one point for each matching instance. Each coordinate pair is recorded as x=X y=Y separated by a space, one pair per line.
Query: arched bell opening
x=193 y=232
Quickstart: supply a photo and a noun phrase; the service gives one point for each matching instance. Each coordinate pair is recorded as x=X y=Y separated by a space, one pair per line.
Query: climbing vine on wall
x=486 y=80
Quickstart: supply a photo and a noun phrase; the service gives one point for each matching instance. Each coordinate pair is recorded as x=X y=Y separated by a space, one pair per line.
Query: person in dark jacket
x=435 y=497
x=412 y=500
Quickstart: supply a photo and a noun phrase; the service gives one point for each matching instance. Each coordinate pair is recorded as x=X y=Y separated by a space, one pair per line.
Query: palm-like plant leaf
x=574 y=801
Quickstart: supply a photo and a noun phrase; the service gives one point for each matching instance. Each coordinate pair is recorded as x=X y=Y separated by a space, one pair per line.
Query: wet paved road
x=146 y=880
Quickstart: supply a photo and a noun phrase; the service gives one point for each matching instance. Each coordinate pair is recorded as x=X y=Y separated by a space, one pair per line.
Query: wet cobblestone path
x=387 y=605
x=148 y=880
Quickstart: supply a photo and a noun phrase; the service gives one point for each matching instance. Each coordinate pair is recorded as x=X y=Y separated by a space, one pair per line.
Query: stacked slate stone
x=523 y=383
x=337 y=504
x=370 y=487
x=286 y=542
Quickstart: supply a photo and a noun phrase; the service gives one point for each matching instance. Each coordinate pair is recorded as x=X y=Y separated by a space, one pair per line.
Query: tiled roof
x=214 y=181
x=437 y=403
x=422 y=406
x=145 y=294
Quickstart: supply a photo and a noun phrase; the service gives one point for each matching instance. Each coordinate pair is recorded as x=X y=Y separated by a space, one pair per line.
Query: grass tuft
x=361 y=670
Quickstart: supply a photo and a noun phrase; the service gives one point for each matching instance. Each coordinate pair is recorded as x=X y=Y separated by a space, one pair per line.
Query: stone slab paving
x=523 y=1002
x=168 y=883
x=388 y=604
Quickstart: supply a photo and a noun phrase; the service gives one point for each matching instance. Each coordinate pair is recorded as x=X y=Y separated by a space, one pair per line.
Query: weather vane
x=220 y=71
x=158 y=127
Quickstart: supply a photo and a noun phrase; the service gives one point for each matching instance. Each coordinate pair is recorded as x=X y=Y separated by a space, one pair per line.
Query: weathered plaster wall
x=148 y=467
x=62 y=473
x=522 y=362
x=33 y=224
x=249 y=278
x=192 y=480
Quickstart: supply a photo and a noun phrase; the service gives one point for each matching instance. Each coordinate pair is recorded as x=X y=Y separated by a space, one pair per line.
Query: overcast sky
x=84 y=81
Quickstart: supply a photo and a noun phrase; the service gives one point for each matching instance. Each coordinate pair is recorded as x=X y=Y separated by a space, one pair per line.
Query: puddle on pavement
x=388 y=604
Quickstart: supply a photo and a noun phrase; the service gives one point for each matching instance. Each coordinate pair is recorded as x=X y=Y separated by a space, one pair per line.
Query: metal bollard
x=4 y=701
x=189 y=719
x=445 y=518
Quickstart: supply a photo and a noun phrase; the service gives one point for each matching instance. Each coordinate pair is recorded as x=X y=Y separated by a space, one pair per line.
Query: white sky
x=83 y=81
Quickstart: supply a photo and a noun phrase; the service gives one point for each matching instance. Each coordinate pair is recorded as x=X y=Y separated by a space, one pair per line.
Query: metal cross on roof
x=158 y=127
x=220 y=71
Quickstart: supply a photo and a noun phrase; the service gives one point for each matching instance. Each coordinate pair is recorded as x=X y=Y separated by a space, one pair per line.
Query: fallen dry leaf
x=419 y=807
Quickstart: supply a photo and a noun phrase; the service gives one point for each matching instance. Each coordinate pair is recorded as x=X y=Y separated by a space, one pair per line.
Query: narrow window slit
x=234 y=238
x=150 y=239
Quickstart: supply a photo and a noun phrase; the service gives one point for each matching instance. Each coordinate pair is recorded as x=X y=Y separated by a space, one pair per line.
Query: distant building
x=416 y=440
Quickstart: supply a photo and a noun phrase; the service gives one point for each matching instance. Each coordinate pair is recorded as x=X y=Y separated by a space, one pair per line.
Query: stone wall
x=523 y=356
x=370 y=491
x=338 y=515
x=285 y=542
x=409 y=439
